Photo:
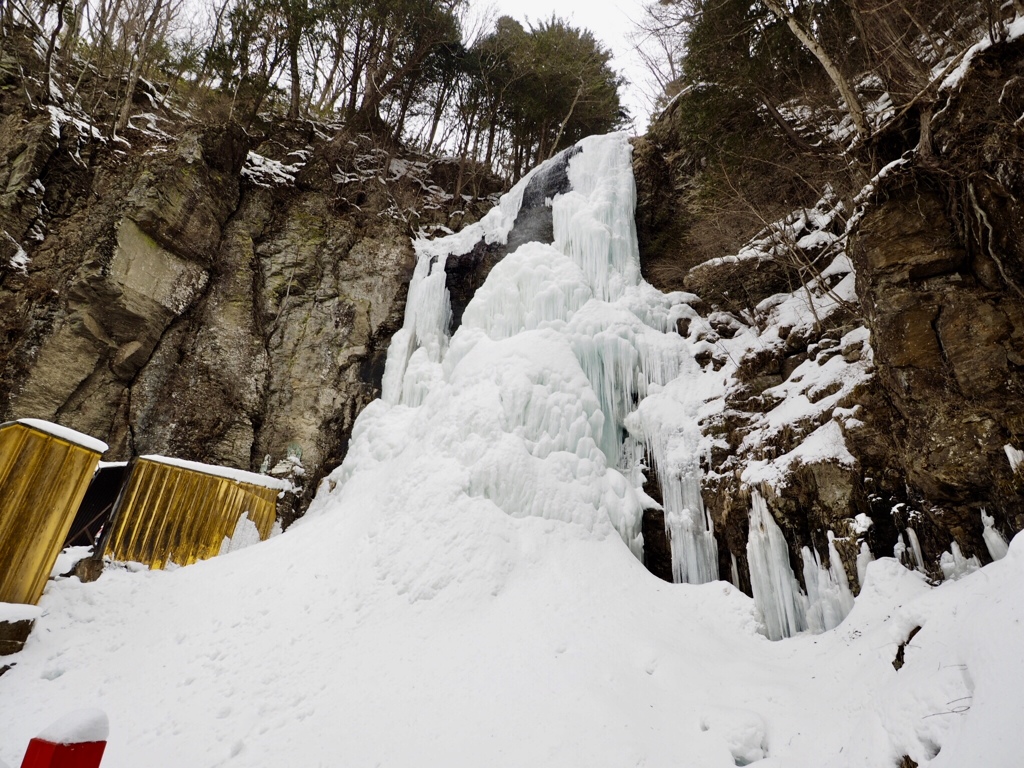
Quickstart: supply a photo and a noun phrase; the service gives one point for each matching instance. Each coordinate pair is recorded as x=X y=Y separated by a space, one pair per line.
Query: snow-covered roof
x=65 y=433
x=239 y=475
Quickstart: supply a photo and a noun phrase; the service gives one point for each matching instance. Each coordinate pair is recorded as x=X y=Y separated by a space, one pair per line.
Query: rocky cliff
x=918 y=371
x=215 y=295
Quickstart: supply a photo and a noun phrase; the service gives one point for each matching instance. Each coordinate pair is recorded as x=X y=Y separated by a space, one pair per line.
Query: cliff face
x=935 y=245
x=940 y=270
x=214 y=296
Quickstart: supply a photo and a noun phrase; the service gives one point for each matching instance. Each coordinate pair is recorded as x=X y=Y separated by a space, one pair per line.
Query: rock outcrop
x=936 y=247
x=940 y=269
x=217 y=296
x=467 y=272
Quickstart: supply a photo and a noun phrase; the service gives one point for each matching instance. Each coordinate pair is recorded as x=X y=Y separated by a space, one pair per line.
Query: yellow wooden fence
x=172 y=511
x=44 y=473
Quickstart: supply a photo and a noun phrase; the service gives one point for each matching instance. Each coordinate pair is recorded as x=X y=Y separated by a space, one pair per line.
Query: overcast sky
x=611 y=21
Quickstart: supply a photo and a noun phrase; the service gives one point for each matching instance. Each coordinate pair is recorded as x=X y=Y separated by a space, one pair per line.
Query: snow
x=494 y=227
x=11 y=612
x=59 y=117
x=466 y=587
x=954 y=71
x=265 y=172
x=78 y=727
x=67 y=559
x=245 y=535
x=19 y=261
x=239 y=475
x=66 y=434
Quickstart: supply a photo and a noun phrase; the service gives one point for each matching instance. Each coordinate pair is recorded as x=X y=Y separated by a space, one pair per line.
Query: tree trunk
x=568 y=117
x=795 y=138
x=135 y=70
x=296 y=84
x=435 y=121
x=831 y=69
x=50 y=46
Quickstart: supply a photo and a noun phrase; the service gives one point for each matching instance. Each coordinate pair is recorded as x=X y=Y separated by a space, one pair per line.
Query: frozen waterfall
x=555 y=352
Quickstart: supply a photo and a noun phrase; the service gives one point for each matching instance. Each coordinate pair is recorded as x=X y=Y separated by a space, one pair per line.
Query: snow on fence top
x=65 y=433
x=239 y=475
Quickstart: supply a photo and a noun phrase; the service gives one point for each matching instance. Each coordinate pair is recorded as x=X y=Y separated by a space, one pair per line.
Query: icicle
x=594 y=223
x=691 y=532
x=427 y=318
x=776 y=591
x=997 y=546
x=828 y=589
x=735 y=571
x=676 y=455
x=609 y=362
x=863 y=558
x=899 y=550
x=534 y=287
x=954 y=565
x=1014 y=456
x=915 y=549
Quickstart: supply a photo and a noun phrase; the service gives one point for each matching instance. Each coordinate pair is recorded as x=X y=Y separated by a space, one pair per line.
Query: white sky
x=611 y=21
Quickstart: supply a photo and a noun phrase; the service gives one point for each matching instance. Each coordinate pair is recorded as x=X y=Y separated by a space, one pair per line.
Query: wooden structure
x=174 y=511
x=45 y=470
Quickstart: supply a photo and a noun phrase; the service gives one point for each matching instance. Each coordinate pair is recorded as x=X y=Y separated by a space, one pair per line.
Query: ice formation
x=1014 y=455
x=864 y=557
x=915 y=549
x=569 y=339
x=777 y=594
x=994 y=541
x=954 y=565
x=828 y=589
x=784 y=607
x=463 y=569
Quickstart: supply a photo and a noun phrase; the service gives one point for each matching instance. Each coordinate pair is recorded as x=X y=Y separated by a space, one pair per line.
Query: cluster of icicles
x=587 y=287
